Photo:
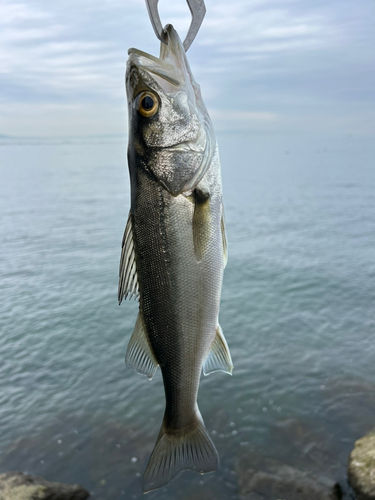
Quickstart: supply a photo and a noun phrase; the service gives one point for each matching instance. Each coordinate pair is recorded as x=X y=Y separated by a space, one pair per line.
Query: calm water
x=297 y=311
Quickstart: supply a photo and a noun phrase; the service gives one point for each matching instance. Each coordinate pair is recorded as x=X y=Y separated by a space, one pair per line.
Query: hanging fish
x=174 y=251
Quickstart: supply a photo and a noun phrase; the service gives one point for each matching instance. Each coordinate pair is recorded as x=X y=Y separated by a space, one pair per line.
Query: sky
x=263 y=65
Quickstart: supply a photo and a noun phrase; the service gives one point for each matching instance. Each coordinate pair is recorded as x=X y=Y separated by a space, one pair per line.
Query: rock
x=361 y=467
x=287 y=483
x=19 y=486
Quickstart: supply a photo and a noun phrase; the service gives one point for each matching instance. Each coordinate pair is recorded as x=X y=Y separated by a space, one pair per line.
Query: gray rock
x=287 y=483
x=361 y=467
x=19 y=486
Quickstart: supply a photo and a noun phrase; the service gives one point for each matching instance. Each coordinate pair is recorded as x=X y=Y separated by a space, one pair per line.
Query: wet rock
x=100 y=449
x=361 y=467
x=19 y=486
x=285 y=482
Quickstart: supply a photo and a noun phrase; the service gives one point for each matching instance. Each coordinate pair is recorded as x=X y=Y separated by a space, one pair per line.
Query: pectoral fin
x=128 y=281
x=219 y=358
x=139 y=355
x=201 y=223
x=224 y=236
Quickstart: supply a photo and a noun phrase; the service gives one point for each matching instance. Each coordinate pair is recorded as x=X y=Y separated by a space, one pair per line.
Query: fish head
x=170 y=132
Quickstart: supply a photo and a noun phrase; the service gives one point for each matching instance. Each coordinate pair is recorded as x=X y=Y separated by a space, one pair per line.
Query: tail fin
x=189 y=448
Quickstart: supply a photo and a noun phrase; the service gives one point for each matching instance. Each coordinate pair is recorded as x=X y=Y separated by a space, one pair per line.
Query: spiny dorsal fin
x=139 y=355
x=219 y=358
x=224 y=236
x=128 y=282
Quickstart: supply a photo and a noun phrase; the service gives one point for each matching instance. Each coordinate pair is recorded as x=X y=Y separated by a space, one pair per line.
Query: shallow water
x=297 y=311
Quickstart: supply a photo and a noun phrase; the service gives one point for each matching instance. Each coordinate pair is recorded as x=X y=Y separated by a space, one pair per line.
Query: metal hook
x=198 y=11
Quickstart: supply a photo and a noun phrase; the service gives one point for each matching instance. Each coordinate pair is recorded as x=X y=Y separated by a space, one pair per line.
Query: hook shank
x=198 y=11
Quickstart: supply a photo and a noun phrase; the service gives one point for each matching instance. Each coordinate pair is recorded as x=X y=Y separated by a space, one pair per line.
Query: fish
x=174 y=251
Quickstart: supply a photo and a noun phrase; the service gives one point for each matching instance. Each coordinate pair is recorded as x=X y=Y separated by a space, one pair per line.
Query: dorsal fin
x=128 y=281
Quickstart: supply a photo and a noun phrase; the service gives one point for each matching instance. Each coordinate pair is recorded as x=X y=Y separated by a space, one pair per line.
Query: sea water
x=297 y=311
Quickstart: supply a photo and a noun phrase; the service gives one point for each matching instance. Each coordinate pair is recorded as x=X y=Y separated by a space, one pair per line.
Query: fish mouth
x=172 y=65
x=186 y=147
x=154 y=65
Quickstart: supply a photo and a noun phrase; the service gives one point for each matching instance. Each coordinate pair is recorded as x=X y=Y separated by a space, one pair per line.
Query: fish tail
x=176 y=450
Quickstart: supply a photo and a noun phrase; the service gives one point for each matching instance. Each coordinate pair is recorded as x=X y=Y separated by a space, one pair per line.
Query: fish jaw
x=177 y=144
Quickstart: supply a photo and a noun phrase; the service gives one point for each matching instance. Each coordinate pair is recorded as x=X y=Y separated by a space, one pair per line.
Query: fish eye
x=148 y=104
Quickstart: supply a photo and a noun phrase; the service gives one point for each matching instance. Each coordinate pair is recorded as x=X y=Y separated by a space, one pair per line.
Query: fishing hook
x=198 y=11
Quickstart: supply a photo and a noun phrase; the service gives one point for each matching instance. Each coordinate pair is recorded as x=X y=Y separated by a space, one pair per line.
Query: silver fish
x=174 y=251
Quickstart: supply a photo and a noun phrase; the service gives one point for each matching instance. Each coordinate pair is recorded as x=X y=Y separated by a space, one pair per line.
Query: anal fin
x=139 y=355
x=219 y=358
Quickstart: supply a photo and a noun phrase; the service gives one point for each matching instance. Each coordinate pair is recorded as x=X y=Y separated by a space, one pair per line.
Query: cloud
x=63 y=119
x=263 y=60
x=229 y=120
x=19 y=12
